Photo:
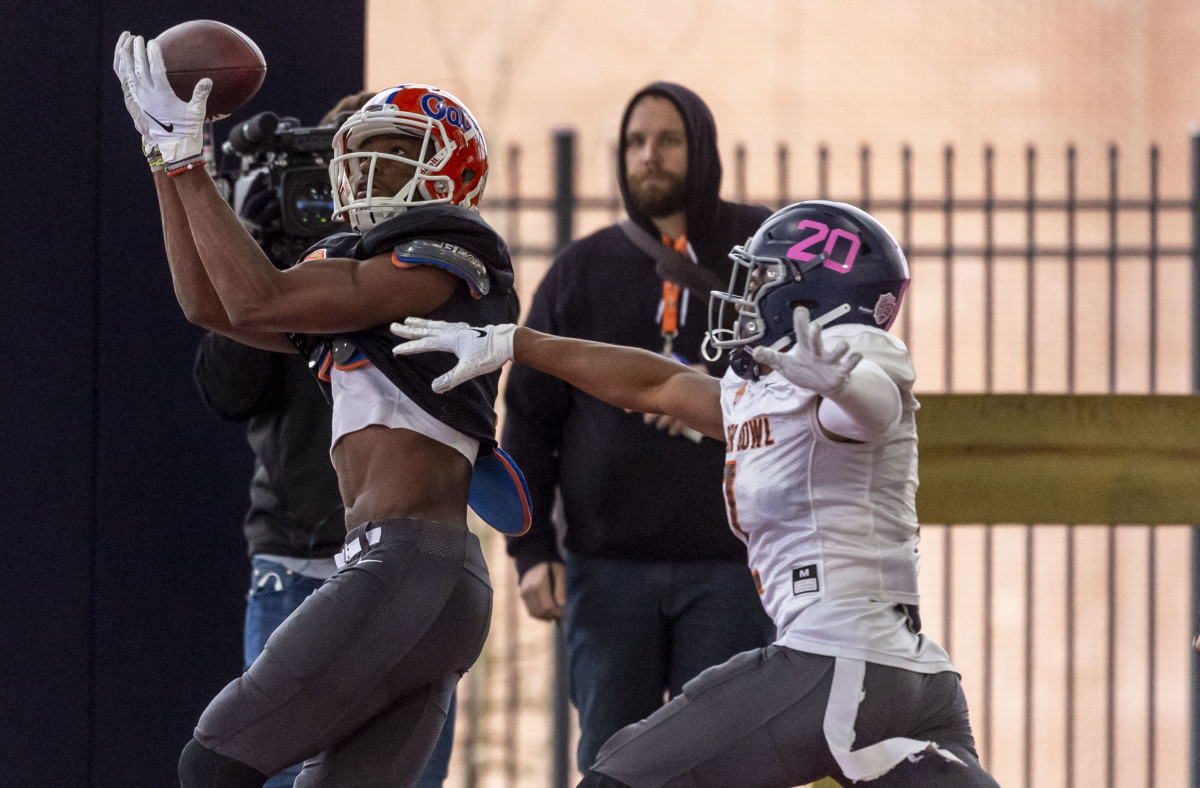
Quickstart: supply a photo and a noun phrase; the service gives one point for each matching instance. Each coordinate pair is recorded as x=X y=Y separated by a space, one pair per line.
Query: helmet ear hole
x=468 y=176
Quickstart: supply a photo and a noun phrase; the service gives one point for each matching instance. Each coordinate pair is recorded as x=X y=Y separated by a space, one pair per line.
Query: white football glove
x=123 y=66
x=809 y=364
x=174 y=125
x=479 y=350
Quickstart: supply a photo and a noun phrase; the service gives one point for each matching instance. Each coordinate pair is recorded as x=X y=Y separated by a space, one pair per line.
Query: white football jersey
x=830 y=527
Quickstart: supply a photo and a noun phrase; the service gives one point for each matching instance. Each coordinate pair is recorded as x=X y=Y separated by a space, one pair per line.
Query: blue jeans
x=636 y=630
x=274 y=594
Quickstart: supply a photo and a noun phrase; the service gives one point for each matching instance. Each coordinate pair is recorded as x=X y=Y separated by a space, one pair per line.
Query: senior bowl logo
x=885 y=309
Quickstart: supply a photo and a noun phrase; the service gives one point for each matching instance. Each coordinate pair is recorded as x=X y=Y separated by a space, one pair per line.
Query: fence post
x=564 y=187
x=1195 y=209
x=564 y=227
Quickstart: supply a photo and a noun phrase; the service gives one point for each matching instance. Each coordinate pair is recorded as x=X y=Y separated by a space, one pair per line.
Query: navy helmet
x=831 y=258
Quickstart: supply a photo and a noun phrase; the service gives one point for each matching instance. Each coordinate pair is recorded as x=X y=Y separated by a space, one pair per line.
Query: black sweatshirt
x=629 y=490
x=295 y=507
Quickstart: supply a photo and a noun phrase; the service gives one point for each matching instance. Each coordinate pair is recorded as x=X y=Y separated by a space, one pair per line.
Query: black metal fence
x=1048 y=288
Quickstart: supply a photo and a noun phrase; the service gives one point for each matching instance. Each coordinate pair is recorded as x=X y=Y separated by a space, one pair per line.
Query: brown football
x=205 y=48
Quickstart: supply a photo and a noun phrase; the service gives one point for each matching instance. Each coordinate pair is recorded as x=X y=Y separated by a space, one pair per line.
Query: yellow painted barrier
x=1039 y=458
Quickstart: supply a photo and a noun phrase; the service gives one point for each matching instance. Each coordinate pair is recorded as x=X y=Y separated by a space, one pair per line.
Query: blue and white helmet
x=829 y=257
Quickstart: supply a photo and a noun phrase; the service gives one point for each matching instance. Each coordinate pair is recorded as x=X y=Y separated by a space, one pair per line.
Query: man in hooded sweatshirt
x=649 y=582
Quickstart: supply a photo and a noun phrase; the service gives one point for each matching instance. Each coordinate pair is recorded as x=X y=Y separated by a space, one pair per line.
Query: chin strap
x=743 y=364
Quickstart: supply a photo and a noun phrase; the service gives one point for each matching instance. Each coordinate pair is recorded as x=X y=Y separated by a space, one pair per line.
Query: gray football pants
x=358 y=679
x=758 y=721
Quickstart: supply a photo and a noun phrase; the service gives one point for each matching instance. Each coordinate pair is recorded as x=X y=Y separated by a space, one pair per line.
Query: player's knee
x=200 y=767
x=597 y=780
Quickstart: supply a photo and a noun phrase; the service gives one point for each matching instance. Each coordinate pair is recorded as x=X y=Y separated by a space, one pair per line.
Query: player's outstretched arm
x=629 y=378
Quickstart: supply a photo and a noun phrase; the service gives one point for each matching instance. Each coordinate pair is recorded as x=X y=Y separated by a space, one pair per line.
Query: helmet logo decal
x=433 y=106
x=885 y=309
x=823 y=233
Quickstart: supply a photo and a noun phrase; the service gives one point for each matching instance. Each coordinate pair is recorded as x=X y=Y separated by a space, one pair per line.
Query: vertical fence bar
x=1027 y=733
x=1071 y=269
x=947 y=266
x=616 y=206
x=989 y=238
x=564 y=228
x=1195 y=723
x=1196 y=283
x=560 y=774
x=948 y=362
x=512 y=678
x=1152 y=353
x=512 y=205
x=1110 y=725
x=906 y=231
x=1110 y=670
x=1152 y=558
x=823 y=172
x=864 y=178
x=473 y=724
x=1151 y=652
x=1070 y=635
x=781 y=176
x=1112 y=269
x=564 y=188
x=988 y=624
x=739 y=172
x=1030 y=256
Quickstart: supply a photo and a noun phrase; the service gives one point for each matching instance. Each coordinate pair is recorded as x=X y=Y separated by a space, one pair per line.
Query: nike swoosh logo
x=480 y=332
x=168 y=127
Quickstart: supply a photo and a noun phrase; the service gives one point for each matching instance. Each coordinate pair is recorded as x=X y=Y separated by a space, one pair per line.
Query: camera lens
x=307 y=199
x=313 y=203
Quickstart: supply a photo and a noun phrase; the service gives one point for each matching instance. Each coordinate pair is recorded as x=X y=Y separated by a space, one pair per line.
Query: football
x=205 y=48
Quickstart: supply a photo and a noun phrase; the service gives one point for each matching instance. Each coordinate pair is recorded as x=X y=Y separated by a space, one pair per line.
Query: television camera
x=280 y=186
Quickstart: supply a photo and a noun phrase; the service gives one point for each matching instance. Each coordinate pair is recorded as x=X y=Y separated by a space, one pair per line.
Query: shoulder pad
x=448 y=256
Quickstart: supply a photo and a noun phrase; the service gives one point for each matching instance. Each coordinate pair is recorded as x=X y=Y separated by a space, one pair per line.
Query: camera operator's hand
x=174 y=125
x=123 y=66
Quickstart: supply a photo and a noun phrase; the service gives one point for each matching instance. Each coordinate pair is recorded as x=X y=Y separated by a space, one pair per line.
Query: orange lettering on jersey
x=752 y=434
x=316 y=254
x=756 y=432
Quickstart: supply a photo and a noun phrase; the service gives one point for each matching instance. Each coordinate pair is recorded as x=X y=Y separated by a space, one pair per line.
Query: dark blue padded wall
x=122 y=586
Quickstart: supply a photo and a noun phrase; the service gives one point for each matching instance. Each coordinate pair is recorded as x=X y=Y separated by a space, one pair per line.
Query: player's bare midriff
x=388 y=473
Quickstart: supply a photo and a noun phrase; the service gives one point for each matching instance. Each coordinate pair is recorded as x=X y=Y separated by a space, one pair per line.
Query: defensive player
x=817 y=414
x=358 y=678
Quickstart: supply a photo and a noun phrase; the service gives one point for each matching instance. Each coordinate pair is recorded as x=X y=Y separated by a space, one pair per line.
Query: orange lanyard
x=670 y=300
